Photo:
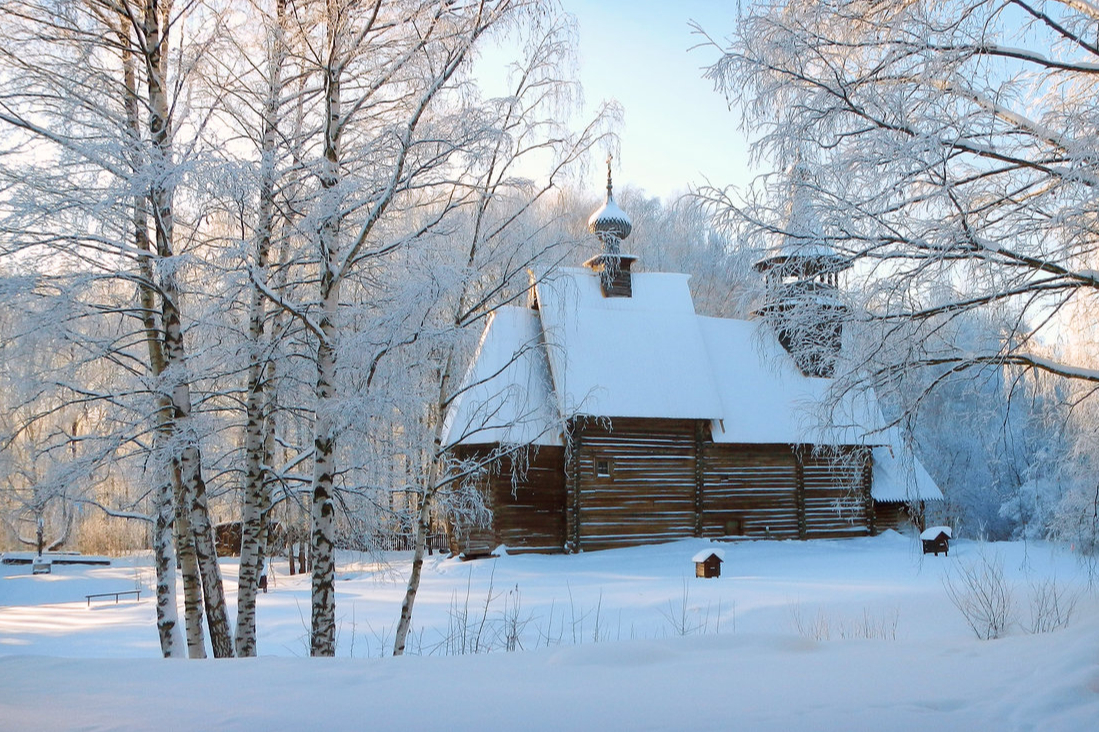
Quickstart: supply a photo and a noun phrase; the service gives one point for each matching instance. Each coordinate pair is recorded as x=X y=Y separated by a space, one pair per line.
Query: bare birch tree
x=387 y=146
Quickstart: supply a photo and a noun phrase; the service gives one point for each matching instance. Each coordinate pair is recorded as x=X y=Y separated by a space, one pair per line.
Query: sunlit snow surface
x=777 y=642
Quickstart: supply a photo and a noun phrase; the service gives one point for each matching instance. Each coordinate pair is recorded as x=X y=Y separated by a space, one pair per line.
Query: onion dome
x=610 y=222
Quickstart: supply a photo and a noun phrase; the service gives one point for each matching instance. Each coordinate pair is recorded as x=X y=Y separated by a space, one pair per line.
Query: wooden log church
x=615 y=415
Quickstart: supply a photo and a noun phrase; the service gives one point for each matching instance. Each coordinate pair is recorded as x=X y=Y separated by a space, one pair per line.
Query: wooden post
x=867 y=483
x=799 y=494
x=572 y=481
x=700 y=476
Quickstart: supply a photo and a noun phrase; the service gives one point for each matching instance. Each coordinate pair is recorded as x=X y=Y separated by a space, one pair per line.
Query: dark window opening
x=603 y=468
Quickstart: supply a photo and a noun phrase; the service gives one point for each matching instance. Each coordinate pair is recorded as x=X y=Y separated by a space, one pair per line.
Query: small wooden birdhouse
x=936 y=540
x=708 y=563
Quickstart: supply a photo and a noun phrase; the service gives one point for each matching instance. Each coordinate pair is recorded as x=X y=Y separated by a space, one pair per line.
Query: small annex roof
x=770 y=400
x=505 y=396
x=704 y=555
x=933 y=532
x=899 y=475
x=641 y=356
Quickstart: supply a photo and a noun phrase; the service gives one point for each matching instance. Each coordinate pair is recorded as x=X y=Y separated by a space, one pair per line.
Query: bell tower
x=802 y=301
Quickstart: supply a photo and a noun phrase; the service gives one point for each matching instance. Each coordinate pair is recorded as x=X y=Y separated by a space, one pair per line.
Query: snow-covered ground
x=839 y=635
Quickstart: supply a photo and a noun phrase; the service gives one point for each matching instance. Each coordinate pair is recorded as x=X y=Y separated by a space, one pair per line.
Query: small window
x=603 y=468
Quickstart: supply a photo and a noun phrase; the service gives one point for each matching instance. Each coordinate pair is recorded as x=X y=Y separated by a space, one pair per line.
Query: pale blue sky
x=677 y=130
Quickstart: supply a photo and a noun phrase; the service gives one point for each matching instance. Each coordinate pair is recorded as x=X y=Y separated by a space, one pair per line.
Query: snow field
x=830 y=635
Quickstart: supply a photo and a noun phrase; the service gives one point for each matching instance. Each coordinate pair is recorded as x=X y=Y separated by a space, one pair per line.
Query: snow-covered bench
x=136 y=593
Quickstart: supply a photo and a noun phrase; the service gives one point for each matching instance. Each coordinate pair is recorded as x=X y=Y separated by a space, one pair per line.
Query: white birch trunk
x=188 y=563
x=190 y=467
x=167 y=606
x=257 y=500
x=423 y=528
x=322 y=536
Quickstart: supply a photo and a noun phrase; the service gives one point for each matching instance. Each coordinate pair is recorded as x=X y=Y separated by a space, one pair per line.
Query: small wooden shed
x=708 y=563
x=936 y=540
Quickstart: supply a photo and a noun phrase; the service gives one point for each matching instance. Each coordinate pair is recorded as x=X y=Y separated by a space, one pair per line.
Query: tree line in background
x=246 y=250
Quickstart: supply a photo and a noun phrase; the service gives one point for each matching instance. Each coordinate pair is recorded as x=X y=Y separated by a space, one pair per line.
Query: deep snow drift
x=842 y=635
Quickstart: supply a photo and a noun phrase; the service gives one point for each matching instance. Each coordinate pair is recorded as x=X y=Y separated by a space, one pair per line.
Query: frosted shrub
x=979 y=590
x=513 y=622
x=869 y=626
x=817 y=628
x=686 y=620
x=1050 y=606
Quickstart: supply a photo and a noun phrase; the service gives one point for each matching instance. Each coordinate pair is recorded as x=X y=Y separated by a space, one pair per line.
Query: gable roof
x=647 y=356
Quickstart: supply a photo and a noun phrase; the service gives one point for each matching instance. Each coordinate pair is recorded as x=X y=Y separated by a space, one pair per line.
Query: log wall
x=527 y=500
x=750 y=491
x=899 y=515
x=632 y=481
x=837 y=496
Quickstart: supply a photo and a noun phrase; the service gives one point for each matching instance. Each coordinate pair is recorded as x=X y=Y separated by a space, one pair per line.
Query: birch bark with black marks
x=185 y=441
x=322 y=536
x=257 y=495
x=167 y=609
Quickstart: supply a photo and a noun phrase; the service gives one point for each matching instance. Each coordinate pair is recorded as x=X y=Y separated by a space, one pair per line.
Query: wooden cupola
x=611 y=225
x=802 y=301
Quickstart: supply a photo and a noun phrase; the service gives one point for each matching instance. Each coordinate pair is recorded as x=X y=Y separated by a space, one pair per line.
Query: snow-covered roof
x=705 y=555
x=899 y=475
x=769 y=399
x=505 y=396
x=932 y=532
x=641 y=356
x=801 y=248
x=651 y=355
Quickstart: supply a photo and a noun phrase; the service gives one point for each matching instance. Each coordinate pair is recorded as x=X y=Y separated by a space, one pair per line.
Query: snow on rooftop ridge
x=704 y=555
x=505 y=396
x=578 y=288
